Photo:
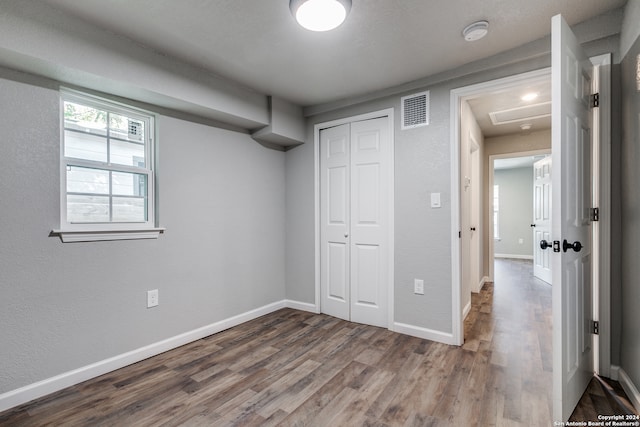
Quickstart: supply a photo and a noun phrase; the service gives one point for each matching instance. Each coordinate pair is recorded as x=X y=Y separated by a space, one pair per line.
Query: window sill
x=96 y=236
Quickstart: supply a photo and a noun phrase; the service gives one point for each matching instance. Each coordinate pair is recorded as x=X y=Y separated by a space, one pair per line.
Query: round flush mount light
x=476 y=31
x=529 y=96
x=526 y=127
x=320 y=15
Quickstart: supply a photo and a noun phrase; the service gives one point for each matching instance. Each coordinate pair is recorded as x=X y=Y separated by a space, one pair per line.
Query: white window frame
x=82 y=232
x=496 y=212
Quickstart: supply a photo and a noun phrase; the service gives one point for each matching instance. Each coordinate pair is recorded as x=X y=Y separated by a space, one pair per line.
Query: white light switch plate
x=435 y=200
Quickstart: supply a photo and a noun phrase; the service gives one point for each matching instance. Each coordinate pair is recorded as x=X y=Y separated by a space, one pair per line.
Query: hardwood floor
x=294 y=368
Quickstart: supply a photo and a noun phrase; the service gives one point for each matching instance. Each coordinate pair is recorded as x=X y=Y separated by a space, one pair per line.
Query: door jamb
x=388 y=112
x=602 y=200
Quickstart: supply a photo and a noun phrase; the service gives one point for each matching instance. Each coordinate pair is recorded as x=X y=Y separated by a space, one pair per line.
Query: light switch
x=435 y=200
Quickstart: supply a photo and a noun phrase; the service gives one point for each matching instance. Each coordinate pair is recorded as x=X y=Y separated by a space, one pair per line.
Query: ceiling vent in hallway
x=521 y=114
x=415 y=110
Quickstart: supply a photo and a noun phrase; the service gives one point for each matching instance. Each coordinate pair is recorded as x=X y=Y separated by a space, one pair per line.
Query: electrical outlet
x=521 y=241
x=418 y=286
x=152 y=298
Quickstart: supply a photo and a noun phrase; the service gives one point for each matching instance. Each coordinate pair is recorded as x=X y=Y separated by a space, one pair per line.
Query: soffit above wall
x=382 y=44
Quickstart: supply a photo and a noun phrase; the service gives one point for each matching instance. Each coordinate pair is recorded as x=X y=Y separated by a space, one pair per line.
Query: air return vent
x=135 y=130
x=521 y=114
x=415 y=110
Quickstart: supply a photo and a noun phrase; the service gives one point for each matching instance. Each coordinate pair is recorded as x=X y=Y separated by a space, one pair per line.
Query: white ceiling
x=383 y=43
x=507 y=99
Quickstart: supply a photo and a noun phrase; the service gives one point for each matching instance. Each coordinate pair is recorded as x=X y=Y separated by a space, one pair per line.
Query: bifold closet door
x=354 y=218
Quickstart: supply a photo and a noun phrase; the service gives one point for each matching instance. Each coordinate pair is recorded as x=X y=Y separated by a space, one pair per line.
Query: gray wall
x=67 y=305
x=422 y=165
x=630 y=204
x=516 y=211
x=422 y=235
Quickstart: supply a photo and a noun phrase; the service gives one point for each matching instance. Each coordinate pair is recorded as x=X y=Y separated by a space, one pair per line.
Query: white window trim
x=496 y=225
x=89 y=232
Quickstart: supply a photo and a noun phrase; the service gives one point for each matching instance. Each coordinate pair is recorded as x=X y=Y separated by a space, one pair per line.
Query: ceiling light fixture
x=476 y=31
x=529 y=96
x=320 y=15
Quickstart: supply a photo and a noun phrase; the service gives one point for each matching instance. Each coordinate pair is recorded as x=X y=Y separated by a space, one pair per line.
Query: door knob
x=533 y=225
x=576 y=246
x=473 y=229
x=346 y=234
x=544 y=244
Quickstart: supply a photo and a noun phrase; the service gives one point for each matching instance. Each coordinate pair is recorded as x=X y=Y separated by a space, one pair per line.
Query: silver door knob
x=346 y=234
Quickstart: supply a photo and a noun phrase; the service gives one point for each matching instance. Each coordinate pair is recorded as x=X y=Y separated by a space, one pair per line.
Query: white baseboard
x=629 y=388
x=466 y=310
x=513 y=256
x=42 y=388
x=427 y=334
x=615 y=372
x=302 y=306
x=480 y=285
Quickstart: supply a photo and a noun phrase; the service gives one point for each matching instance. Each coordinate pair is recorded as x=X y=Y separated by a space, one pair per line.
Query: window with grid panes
x=107 y=165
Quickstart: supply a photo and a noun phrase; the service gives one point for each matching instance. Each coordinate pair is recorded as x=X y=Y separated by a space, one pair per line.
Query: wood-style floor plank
x=293 y=368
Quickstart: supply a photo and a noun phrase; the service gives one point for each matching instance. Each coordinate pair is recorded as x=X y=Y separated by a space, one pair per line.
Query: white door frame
x=601 y=246
x=603 y=173
x=316 y=154
x=456 y=256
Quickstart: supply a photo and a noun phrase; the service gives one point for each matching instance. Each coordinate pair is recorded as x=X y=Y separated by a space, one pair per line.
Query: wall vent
x=521 y=114
x=415 y=110
x=135 y=130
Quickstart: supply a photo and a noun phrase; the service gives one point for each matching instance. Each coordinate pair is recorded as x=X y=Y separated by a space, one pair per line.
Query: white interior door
x=542 y=218
x=335 y=215
x=369 y=221
x=354 y=232
x=474 y=221
x=571 y=147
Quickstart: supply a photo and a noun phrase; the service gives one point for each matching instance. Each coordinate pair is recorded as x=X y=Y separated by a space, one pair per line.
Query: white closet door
x=369 y=221
x=354 y=203
x=334 y=220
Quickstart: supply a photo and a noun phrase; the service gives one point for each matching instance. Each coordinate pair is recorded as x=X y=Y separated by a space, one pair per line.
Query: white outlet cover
x=418 y=286
x=152 y=298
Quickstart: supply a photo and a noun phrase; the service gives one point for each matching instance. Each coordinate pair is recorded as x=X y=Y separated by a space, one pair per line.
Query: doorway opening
x=520 y=194
x=501 y=119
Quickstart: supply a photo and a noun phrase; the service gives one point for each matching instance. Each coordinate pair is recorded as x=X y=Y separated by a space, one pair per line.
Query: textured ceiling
x=507 y=99
x=383 y=43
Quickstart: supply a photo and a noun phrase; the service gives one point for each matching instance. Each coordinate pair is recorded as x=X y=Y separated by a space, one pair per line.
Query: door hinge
x=595 y=327
x=459 y=234
x=595 y=100
x=594 y=214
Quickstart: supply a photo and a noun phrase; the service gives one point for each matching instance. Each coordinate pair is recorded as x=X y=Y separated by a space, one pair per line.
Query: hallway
x=510 y=322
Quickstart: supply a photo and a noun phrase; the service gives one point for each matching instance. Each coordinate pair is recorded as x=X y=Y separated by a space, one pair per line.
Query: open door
x=571 y=84
x=542 y=219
